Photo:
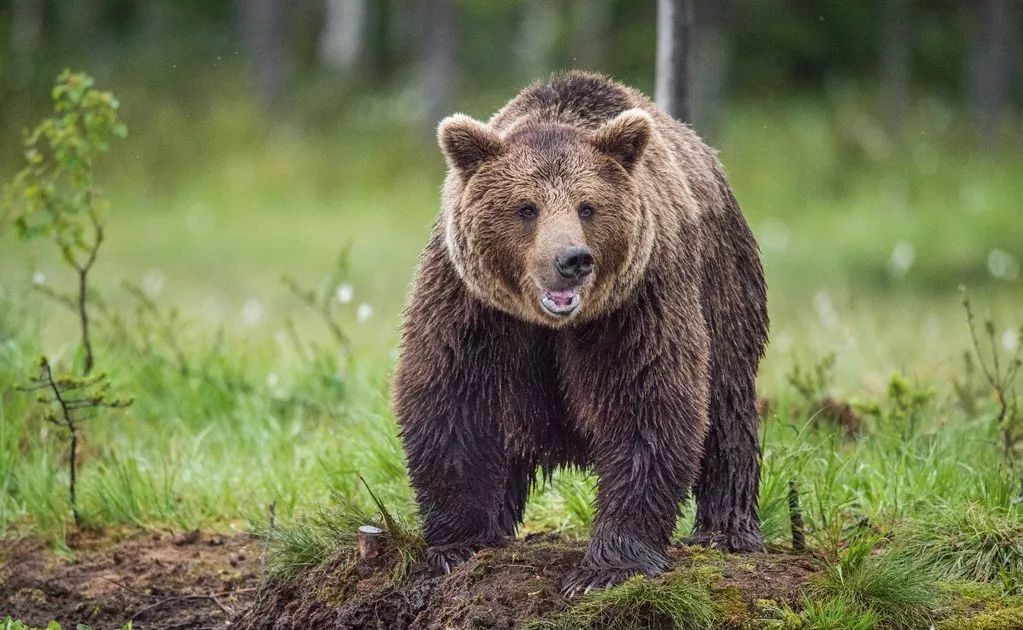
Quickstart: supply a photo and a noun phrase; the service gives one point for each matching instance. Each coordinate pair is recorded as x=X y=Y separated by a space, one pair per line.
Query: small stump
x=371 y=541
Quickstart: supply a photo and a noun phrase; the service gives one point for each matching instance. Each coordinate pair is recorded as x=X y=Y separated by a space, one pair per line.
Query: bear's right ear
x=467 y=143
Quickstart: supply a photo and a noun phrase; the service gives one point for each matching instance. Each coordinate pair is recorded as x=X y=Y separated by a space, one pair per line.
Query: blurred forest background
x=876 y=146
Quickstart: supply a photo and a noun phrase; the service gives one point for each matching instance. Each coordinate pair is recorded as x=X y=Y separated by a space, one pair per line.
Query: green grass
x=888 y=585
x=680 y=602
x=970 y=542
x=324 y=531
x=834 y=613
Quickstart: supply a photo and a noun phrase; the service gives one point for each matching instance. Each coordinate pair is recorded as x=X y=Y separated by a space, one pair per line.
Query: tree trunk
x=437 y=73
x=342 y=36
x=895 y=69
x=263 y=23
x=674 y=36
x=989 y=67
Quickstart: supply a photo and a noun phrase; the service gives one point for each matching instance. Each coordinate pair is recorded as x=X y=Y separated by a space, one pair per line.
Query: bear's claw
x=444 y=558
x=580 y=581
x=736 y=542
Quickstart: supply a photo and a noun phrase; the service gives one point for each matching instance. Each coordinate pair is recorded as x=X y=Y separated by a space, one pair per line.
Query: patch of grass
x=970 y=542
x=896 y=588
x=837 y=613
x=679 y=602
x=322 y=533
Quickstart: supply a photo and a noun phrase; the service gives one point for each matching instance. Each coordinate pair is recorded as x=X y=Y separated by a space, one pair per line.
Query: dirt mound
x=160 y=581
x=500 y=588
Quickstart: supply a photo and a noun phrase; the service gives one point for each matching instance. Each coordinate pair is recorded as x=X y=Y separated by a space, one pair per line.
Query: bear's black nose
x=574 y=263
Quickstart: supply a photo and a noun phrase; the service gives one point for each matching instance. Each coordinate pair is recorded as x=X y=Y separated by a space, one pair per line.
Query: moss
x=704 y=555
x=1002 y=619
x=980 y=605
x=730 y=604
x=706 y=574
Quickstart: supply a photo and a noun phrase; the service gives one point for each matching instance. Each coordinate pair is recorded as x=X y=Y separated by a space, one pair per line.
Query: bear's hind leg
x=726 y=492
x=734 y=303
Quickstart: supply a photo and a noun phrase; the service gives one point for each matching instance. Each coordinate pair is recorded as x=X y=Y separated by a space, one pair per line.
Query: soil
x=200 y=581
x=194 y=580
x=500 y=588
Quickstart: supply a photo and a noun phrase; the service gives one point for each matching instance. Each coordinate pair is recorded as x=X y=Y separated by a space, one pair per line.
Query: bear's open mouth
x=559 y=302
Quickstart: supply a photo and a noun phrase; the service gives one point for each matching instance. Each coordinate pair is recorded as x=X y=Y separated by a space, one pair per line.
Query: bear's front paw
x=444 y=558
x=582 y=580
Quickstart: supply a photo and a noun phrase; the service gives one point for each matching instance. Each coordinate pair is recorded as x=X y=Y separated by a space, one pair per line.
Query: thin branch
x=46 y=374
x=64 y=300
x=83 y=278
x=212 y=597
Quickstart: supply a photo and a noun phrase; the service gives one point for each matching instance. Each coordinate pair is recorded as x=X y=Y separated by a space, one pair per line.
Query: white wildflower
x=1002 y=265
x=344 y=293
x=252 y=311
x=1010 y=339
x=901 y=259
x=39 y=278
x=825 y=309
x=152 y=282
x=364 y=312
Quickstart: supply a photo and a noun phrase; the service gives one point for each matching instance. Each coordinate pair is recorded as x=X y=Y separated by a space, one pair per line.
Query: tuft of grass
x=970 y=542
x=679 y=602
x=323 y=533
x=837 y=613
x=889 y=583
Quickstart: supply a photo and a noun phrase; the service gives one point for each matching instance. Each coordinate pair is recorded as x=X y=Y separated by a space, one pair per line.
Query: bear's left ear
x=625 y=136
x=467 y=143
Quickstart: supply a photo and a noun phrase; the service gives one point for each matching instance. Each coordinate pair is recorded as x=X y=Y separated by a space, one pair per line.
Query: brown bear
x=591 y=295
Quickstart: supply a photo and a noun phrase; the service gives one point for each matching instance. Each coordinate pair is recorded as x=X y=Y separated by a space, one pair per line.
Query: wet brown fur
x=651 y=381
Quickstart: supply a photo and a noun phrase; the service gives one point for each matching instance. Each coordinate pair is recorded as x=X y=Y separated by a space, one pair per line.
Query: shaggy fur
x=650 y=380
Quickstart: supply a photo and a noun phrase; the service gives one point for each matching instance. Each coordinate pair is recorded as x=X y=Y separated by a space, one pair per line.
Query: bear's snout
x=574 y=263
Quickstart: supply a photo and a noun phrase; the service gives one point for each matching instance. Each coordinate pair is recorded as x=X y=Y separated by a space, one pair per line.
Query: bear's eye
x=528 y=211
x=586 y=211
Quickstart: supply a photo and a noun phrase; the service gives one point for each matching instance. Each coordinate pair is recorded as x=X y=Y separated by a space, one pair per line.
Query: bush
x=889 y=583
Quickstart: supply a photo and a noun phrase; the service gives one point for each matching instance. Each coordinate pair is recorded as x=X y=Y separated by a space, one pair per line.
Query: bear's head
x=545 y=221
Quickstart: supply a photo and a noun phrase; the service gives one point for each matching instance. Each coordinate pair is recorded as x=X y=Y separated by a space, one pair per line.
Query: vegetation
x=970 y=542
x=69 y=399
x=680 y=602
x=323 y=533
x=56 y=196
x=886 y=585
